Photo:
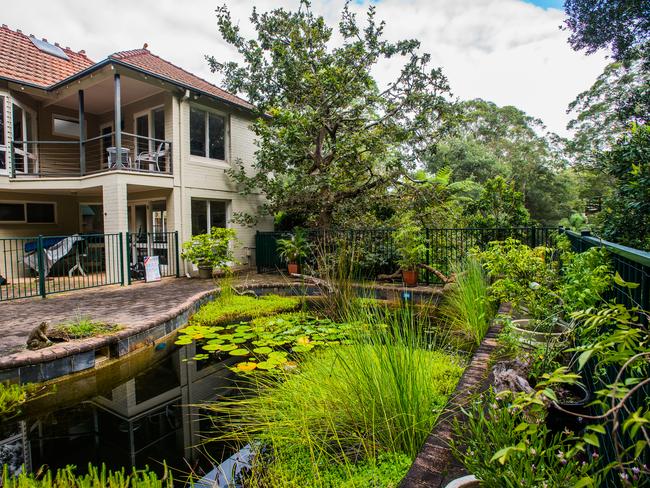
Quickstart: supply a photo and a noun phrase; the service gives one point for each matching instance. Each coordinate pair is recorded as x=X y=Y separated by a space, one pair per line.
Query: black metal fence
x=44 y=265
x=375 y=251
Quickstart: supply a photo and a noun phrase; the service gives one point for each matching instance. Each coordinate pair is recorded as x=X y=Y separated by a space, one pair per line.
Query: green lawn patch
x=233 y=307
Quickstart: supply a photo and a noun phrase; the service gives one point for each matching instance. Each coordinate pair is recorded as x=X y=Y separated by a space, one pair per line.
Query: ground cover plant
x=349 y=412
x=80 y=328
x=97 y=477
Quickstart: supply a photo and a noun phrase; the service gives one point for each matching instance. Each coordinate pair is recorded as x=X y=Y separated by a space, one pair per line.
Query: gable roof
x=21 y=61
x=143 y=59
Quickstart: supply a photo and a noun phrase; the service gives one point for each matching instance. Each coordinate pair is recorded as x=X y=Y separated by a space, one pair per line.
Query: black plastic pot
x=557 y=420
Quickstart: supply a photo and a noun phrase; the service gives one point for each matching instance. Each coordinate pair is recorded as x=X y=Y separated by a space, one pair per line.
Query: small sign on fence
x=151 y=268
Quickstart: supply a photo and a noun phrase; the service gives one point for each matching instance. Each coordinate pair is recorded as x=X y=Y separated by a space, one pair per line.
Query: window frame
x=26 y=220
x=207 y=201
x=5 y=135
x=226 y=136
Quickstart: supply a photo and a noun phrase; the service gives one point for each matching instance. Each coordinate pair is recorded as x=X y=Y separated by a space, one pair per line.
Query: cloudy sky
x=508 y=51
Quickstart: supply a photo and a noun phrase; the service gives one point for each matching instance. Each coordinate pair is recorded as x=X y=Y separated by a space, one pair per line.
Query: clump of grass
x=232 y=307
x=97 y=477
x=466 y=307
x=82 y=327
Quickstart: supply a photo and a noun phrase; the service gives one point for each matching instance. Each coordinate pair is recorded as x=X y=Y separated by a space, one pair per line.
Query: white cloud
x=507 y=51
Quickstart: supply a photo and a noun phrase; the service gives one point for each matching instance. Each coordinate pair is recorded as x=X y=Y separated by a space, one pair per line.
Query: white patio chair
x=153 y=159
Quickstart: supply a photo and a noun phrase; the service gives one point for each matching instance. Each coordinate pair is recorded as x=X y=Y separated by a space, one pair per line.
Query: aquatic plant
x=267 y=343
x=12 y=397
x=466 y=306
x=231 y=307
x=97 y=477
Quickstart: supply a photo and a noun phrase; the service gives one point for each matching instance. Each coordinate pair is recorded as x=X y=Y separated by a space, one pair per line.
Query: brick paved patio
x=129 y=306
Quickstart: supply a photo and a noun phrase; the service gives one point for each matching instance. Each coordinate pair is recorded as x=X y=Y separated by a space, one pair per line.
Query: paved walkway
x=128 y=306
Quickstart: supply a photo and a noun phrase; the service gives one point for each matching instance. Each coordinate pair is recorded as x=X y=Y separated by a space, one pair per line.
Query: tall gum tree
x=327 y=134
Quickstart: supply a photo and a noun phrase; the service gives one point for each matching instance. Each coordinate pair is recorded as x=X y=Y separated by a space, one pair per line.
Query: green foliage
x=82 y=327
x=499 y=205
x=620 y=25
x=409 y=243
x=467 y=306
x=585 y=277
x=626 y=214
x=12 y=397
x=233 y=307
x=301 y=468
x=332 y=138
x=267 y=343
x=213 y=250
x=505 y=448
x=95 y=478
x=295 y=248
x=576 y=222
x=345 y=406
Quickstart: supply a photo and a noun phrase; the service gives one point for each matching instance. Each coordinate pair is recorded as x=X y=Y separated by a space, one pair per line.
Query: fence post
x=178 y=263
x=533 y=237
x=428 y=258
x=121 y=244
x=128 y=257
x=41 y=266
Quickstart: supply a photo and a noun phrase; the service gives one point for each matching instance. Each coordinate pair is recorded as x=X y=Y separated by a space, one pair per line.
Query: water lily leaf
x=239 y=352
x=211 y=347
x=243 y=328
x=278 y=354
x=247 y=366
x=183 y=341
x=239 y=340
x=262 y=350
x=304 y=340
x=199 y=357
x=302 y=348
x=227 y=347
x=265 y=365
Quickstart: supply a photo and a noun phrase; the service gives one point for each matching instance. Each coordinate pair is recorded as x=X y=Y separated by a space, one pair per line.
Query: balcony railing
x=91 y=156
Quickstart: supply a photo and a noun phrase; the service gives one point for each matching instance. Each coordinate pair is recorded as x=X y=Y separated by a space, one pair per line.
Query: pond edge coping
x=435 y=464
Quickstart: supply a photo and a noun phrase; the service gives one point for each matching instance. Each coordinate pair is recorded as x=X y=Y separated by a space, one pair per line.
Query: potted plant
x=409 y=243
x=211 y=251
x=293 y=249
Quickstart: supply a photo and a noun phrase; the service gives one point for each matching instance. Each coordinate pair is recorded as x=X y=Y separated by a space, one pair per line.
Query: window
x=207 y=134
x=3 y=147
x=28 y=212
x=23 y=127
x=204 y=212
x=150 y=125
x=65 y=126
x=92 y=218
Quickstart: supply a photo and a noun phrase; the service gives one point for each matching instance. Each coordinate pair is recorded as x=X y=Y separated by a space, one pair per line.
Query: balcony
x=101 y=154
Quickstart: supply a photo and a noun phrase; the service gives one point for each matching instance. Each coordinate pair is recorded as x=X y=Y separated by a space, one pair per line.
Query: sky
x=511 y=52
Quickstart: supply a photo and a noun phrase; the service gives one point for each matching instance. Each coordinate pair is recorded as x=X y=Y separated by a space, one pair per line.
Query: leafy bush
x=237 y=307
x=211 y=250
x=504 y=449
x=467 y=306
x=409 y=243
x=96 y=478
x=12 y=397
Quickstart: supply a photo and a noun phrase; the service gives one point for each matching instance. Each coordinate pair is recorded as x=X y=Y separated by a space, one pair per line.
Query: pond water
x=139 y=411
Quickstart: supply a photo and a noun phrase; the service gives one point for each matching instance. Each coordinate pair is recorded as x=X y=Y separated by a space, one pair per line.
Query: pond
x=140 y=411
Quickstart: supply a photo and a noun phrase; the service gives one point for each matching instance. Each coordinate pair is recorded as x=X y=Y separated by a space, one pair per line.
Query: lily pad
x=239 y=352
x=262 y=350
x=248 y=366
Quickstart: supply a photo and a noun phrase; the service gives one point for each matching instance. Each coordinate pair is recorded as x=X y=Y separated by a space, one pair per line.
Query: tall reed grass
x=466 y=306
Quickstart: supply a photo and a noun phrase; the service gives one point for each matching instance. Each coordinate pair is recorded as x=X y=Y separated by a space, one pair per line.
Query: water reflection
x=129 y=414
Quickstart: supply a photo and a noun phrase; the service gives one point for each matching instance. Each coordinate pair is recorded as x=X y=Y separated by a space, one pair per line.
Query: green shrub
x=95 y=478
x=213 y=250
x=466 y=306
x=12 y=397
x=232 y=307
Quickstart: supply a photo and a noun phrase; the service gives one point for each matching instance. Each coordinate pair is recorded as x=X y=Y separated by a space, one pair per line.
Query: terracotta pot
x=205 y=272
x=293 y=268
x=410 y=277
x=468 y=481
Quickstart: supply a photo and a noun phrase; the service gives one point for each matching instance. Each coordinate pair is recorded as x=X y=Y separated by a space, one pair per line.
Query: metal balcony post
x=118 y=121
x=82 y=135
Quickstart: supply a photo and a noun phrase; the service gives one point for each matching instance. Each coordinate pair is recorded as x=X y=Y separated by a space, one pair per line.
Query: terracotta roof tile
x=22 y=61
x=145 y=60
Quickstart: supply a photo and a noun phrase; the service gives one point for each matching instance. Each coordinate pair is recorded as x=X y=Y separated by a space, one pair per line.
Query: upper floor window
x=207 y=134
x=23 y=138
x=3 y=137
x=65 y=126
x=150 y=129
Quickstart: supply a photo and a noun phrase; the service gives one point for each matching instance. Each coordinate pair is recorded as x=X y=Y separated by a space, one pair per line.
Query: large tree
x=328 y=134
x=620 y=25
